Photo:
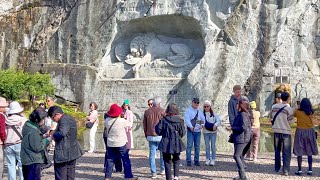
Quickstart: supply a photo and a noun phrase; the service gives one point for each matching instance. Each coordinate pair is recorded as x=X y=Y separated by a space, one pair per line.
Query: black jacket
x=241 y=128
x=172 y=129
x=67 y=146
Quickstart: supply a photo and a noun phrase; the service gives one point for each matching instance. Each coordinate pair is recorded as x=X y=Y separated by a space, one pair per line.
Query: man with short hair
x=232 y=104
x=194 y=120
x=150 y=103
x=67 y=148
x=282 y=117
x=151 y=118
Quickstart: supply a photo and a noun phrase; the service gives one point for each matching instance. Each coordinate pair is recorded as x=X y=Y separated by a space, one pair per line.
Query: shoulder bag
x=194 y=120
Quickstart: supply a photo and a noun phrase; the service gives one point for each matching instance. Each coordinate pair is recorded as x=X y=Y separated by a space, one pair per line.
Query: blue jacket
x=232 y=108
x=190 y=114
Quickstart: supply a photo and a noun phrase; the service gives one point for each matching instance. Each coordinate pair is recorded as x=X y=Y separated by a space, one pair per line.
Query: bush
x=20 y=85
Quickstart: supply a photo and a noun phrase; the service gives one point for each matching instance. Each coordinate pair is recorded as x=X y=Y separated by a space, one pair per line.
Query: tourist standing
x=282 y=117
x=67 y=147
x=3 y=118
x=241 y=130
x=210 y=133
x=14 y=124
x=117 y=142
x=150 y=120
x=128 y=115
x=172 y=129
x=33 y=145
x=92 y=118
x=232 y=104
x=253 y=153
x=194 y=120
x=150 y=103
x=305 y=142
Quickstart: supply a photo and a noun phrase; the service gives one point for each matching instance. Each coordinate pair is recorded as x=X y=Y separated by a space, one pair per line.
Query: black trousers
x=167 y=164
x=31 y=172
x=65 y=171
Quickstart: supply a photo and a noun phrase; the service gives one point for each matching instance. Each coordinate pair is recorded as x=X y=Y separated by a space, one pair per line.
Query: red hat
x=114 y=110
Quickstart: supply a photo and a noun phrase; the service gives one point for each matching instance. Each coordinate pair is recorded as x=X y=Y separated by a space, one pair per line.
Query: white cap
x=14 y=108
x=206 y=102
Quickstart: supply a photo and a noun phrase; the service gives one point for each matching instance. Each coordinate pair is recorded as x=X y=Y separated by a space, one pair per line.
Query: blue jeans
x=210 y=141
x=282 y=142
x=193 y=138
x=153 y=147
x=12 y=154
x=112 y=154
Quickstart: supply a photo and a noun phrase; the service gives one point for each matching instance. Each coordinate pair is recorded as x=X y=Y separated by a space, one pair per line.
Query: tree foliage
x=17 y=84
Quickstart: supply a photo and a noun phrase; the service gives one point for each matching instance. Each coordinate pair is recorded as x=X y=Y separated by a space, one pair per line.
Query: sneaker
x=309 y=173
x=90 y=151
x=250 y=159
x=189 y=163
x=163 y=172
x=255 y=159
x=197 y=163
x=212 y=163
x=285 y=173
x=299 y=173
x=154 y=176
x=176 y=178
x=207 y=162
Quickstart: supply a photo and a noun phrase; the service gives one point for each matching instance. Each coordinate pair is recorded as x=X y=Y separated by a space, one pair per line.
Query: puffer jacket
x=241 y=128
x=172 y=129
x=32 y=145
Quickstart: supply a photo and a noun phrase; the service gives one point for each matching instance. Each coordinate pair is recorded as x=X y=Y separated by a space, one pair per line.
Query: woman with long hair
x=241 y=129
x=210 y=134
x=305 y=142
x=128 y=115
x=172 y=129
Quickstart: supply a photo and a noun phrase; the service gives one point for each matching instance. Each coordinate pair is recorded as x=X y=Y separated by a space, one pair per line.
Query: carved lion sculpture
x=148 y=47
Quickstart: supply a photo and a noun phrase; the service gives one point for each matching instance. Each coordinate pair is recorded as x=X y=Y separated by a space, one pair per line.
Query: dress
x=129 y=117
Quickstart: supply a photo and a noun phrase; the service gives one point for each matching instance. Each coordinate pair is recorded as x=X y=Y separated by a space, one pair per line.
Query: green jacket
x=32 y=145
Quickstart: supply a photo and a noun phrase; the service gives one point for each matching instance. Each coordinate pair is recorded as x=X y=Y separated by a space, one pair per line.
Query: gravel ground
x=90 y=166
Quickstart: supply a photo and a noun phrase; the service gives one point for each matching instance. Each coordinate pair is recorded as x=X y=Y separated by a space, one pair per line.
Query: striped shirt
x=283 y=120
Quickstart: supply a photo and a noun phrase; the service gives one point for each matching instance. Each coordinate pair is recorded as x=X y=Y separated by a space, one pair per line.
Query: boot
x=243 y=175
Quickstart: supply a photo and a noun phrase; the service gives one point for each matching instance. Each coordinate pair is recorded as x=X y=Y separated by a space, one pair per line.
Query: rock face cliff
x=107 y=51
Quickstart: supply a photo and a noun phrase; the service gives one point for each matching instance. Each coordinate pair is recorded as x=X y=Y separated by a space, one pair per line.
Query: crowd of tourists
x=25 y=142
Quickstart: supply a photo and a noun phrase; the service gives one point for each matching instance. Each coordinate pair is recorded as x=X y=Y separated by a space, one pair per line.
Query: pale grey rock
x=244 y=42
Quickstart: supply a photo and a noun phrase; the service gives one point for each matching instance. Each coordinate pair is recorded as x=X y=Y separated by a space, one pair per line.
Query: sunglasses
x=206 y=106
x=196 y=102
x=150 y=104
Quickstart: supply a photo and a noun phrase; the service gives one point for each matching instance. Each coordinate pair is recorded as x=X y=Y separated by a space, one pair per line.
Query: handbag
x=208 y=125
x=231 y=138
x=194 y=120
x=89 y=125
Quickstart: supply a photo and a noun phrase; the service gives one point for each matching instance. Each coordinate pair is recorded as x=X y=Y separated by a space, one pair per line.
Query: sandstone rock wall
x=257 y=44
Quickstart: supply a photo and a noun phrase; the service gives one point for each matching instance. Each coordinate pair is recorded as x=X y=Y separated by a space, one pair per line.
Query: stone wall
x=211 y=44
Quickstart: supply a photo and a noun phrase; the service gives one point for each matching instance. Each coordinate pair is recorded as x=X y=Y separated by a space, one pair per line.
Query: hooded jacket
x=14 y=121
x=172 y=129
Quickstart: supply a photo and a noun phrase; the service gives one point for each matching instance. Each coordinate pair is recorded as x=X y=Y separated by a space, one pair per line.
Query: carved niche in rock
x=146 y=48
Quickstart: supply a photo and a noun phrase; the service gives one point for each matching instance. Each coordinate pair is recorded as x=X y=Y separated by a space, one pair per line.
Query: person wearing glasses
x=150 y=103
x=210 y=135
x=67 y=148
x=194 y=120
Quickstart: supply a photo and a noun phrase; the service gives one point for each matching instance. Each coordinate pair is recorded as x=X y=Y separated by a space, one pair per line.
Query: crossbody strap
x=112 y=125
x=15 y=130
x=275 y=116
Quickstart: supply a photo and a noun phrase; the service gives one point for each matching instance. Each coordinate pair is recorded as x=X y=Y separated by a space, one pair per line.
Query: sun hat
x=126 y=102
x=14 y=108
x=207 y=103
x=253 y=104
x=3 y=102
x=115 y=110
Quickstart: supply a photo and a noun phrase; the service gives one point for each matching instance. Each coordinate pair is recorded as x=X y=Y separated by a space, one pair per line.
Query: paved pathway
x=90 y=166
